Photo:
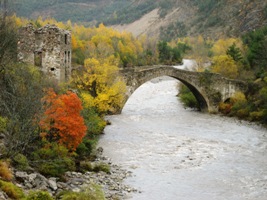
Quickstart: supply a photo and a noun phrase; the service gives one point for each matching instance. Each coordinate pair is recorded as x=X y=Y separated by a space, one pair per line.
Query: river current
x=181 y=154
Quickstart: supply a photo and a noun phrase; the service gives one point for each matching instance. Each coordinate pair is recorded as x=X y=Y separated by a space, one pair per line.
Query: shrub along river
x=177 y=153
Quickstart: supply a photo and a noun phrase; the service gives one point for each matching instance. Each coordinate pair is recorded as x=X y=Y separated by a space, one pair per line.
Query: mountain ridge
x=163 y=19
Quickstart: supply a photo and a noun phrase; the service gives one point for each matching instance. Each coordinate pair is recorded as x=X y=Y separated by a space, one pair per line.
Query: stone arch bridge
x=209 y=88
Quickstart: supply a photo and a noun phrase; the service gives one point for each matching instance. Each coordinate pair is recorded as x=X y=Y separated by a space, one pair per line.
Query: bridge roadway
x=209 y=88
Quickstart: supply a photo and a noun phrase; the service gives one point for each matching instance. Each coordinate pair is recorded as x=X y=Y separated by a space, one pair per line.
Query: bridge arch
x=208 y=88
x=200 y=98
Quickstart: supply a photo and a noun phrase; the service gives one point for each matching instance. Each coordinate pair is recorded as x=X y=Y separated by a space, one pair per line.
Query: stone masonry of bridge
x=209 y=88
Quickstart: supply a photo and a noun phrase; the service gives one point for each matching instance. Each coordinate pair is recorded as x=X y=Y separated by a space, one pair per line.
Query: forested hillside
x=41 y=120
x=173 y=18
x=89 y=11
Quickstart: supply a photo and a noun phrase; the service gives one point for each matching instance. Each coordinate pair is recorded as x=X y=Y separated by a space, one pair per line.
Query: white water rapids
x=180 y=154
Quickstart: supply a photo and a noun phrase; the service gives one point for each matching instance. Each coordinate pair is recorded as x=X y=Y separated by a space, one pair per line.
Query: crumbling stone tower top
x=48 y=48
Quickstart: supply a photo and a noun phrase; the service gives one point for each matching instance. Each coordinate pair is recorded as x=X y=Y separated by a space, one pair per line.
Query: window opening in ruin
x=65 y=56
x=52 y=69
x=68 y=56
x=66 y=74
x=38 y=59
x=66 y=39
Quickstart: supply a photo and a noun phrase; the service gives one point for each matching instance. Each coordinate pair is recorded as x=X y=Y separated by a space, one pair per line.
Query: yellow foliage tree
x=102 y=42
x=105 y=89
x=225 y=65
x=238 y=97
x=220 y=46
x=74 y=42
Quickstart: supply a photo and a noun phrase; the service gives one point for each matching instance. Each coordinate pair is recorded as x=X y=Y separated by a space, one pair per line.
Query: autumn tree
x=101 y=80
x=225 y=65
x=62 y=121
x=102 y=42
x=221 y=46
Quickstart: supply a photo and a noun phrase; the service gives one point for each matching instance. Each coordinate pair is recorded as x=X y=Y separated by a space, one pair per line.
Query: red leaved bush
x=62 y=121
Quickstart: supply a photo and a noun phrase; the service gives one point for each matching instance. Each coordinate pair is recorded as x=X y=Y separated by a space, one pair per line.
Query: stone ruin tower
x=48 y=48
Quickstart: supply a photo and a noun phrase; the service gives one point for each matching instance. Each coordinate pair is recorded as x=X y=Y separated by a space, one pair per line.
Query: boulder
x=62 y=185
x=112 y=183
x=52 y=183
x=41 y=182
x=3 y=196
x=32 y=177
x=21 y=176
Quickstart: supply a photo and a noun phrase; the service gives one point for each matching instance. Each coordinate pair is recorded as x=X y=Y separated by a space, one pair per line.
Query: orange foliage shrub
x=62 y=121
x=5 y=172
x=225 y=108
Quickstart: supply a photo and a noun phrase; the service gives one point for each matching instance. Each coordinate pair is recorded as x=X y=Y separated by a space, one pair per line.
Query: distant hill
x=165 y=19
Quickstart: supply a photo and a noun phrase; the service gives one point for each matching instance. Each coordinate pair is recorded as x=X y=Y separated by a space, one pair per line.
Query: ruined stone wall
x=26 y=44
x=48 y=48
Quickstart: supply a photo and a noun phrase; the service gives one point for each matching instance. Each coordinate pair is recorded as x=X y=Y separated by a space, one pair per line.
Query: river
x=181 y=154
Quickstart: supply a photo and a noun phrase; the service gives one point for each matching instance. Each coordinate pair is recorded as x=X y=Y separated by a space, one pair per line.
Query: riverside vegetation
x=237 y=58
x=52 y=128
x=47 y=128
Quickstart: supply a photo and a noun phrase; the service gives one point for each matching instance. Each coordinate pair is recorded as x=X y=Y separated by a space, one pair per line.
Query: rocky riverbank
x=111 y=183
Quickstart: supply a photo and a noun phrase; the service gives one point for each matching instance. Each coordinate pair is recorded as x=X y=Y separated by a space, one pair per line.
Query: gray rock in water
x=99 y=151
